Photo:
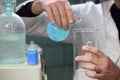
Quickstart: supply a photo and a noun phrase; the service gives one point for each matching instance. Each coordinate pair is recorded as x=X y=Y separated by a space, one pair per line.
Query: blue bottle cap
x=55 y=33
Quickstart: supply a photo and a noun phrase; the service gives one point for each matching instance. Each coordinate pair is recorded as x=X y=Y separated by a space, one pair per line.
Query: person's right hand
x=104 y=68
x=59 y=11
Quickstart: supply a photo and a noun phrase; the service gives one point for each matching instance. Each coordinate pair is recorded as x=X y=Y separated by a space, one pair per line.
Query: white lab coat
x=97 y=16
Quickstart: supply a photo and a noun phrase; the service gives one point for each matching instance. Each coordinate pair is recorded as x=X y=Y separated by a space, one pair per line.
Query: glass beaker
x=82 y=36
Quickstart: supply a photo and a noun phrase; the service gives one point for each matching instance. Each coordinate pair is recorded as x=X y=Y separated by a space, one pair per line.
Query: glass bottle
x=12 y=35
x=55 y=33
x=1 y=6
x=58 y=34
x=32 y=53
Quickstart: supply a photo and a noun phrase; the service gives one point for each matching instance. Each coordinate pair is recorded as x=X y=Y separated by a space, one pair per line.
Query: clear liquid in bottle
x=12 y=35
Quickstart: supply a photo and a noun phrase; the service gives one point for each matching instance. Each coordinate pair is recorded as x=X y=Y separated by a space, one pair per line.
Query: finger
x=69 y=12
x=93 y=50
x=89 y=59
x=91 y=67
x=57 y=15
x=94 y=74
x=63 y=15
x=50 y=14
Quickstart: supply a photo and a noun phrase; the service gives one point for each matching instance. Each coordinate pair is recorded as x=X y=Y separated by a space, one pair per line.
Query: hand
x=59 y=11
x=103 y=66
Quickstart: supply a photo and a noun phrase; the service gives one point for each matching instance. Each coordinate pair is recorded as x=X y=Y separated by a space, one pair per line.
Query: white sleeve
x=79 y=11
x=36 y=25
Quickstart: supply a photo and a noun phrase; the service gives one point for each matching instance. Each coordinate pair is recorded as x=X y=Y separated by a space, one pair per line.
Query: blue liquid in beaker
x=55 y=33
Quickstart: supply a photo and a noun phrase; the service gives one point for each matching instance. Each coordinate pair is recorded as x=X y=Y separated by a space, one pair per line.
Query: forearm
x=37 y=7
x=25 y=10
x=31 y=9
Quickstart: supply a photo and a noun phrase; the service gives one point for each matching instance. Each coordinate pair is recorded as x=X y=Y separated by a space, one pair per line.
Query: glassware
x=55 y=33
x=1 y=6
x=83 y=36
x=12 y=35
x=32 y=53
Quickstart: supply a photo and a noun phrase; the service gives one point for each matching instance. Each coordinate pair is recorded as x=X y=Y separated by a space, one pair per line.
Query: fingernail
x=76 y=58
x=84 y=47
x=53 y=22
x=71 y=21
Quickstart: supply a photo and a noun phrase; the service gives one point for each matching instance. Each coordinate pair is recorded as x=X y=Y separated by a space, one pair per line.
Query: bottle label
x=16 y=26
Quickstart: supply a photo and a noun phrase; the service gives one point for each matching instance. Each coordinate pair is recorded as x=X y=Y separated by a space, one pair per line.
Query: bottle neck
x=9 y=6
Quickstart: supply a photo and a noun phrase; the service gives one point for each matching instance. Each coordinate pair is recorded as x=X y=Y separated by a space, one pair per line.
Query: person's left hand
x=103 y=66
